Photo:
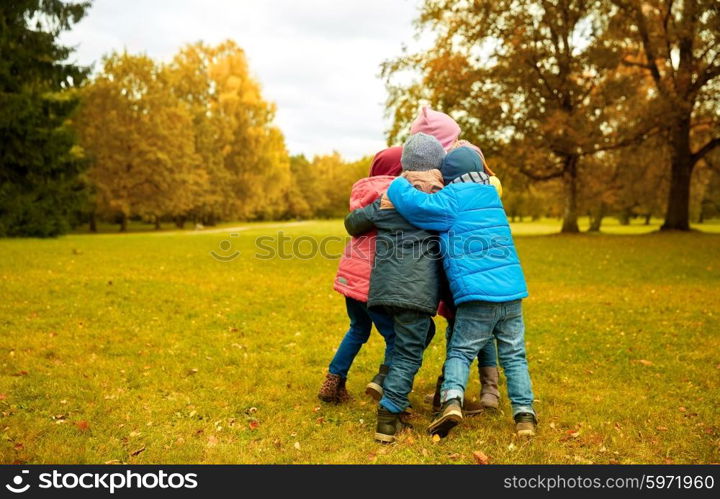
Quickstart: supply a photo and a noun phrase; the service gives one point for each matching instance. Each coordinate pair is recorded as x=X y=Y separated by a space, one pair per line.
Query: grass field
x=143 y=348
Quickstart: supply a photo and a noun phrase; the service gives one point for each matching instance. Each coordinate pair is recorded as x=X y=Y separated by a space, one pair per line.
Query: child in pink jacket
x=353 y=281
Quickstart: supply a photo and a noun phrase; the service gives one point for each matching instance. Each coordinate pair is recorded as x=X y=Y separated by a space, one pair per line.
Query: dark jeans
x=361 y=321
x=413 y=332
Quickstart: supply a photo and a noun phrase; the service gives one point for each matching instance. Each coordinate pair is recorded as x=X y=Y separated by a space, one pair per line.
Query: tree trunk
x=180 y=222
x=93 y=222
x=597 y=218
x=570 y=216
x=209 y=220
x=123 y=222
x=677 y=216
x=647 y=218
x=624 y=216
x=157 y=223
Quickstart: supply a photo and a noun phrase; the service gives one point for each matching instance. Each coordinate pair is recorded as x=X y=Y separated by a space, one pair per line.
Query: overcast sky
x=318 y=60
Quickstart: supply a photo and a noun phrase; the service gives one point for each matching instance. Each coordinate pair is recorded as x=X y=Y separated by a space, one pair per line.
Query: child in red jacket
x=353 y=281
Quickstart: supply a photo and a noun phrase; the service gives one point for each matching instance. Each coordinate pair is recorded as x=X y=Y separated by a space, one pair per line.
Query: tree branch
x=700 y=153
x=649 y=49
x=708 y=74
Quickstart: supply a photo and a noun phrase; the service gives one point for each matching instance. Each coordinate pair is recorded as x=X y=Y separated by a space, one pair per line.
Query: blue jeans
x=476 y=324
x=361 y=321
x=413 y=332
x=488 y=354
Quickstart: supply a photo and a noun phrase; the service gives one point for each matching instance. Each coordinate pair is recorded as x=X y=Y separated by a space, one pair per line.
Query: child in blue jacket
x=486 y=281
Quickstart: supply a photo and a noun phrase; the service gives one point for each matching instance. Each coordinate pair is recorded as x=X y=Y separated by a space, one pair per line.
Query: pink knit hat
x=439 y=125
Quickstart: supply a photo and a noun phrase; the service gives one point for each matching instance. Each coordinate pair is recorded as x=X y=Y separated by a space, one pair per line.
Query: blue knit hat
x=459 y=162
x=422 y=152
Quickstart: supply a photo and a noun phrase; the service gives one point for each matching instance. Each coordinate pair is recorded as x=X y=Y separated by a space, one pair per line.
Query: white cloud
x=318 y=60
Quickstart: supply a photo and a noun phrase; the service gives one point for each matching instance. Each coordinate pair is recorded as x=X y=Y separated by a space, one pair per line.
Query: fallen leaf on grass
x=480 y=457
x=212 y=441
x=254 y=425
x=3 y=396
x=113 y=461
x=82 y=425
x=137 y=452
x=436 y=438
x=644 y=362
x=662 y=428
x=19 y=446
x=682 y=409
x=297 y=445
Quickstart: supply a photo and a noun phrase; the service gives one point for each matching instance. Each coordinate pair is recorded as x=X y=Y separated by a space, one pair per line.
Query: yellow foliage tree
x=243 y=154
x=140 y=141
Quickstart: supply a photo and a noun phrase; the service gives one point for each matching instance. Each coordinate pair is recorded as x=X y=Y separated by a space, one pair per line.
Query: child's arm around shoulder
x=427 y=211
x=361 y=220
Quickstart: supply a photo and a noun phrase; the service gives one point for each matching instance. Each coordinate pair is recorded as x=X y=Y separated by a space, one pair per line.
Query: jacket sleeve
x=426 y=211
x=361 y=220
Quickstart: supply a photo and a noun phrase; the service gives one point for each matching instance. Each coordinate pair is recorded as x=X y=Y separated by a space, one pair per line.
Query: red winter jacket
x=353 y=276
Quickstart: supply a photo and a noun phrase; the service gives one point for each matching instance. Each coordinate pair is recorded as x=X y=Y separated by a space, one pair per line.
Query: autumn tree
x=140 y=141
x=535 y=81
x=40 y=172
x=242 y=152
x=677 y=45
x=321 y=187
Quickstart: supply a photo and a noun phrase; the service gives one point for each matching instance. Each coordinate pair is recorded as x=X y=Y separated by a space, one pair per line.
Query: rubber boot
x=489 y=394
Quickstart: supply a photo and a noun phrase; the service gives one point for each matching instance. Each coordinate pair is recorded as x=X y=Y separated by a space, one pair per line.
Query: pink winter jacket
x=353 y=275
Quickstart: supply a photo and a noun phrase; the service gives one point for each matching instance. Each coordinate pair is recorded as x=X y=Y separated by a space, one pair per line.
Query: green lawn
x=143 y=348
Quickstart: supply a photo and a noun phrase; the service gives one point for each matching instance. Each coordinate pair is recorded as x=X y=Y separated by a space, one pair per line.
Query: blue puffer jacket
x=478 y=250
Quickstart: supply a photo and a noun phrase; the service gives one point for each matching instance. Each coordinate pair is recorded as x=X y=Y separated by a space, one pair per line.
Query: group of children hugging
x=430 y=235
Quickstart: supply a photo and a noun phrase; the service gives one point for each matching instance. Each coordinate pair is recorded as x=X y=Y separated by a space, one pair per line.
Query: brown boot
x=489 y=394
x=329 y=388
x=342 y=393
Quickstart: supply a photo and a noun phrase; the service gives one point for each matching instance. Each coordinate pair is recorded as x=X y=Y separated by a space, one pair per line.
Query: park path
x=239 y=228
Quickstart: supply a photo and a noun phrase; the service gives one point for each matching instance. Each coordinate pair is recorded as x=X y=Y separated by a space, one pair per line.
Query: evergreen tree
x=40 y=186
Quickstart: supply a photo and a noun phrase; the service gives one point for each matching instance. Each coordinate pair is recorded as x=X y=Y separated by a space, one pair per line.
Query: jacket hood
x=460 y=161
x=465 y=143
x=368 y=189
x=439 y=125
x=387 y=162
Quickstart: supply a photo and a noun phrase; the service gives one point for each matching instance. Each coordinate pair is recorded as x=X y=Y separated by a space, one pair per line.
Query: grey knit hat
x=422 y=152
